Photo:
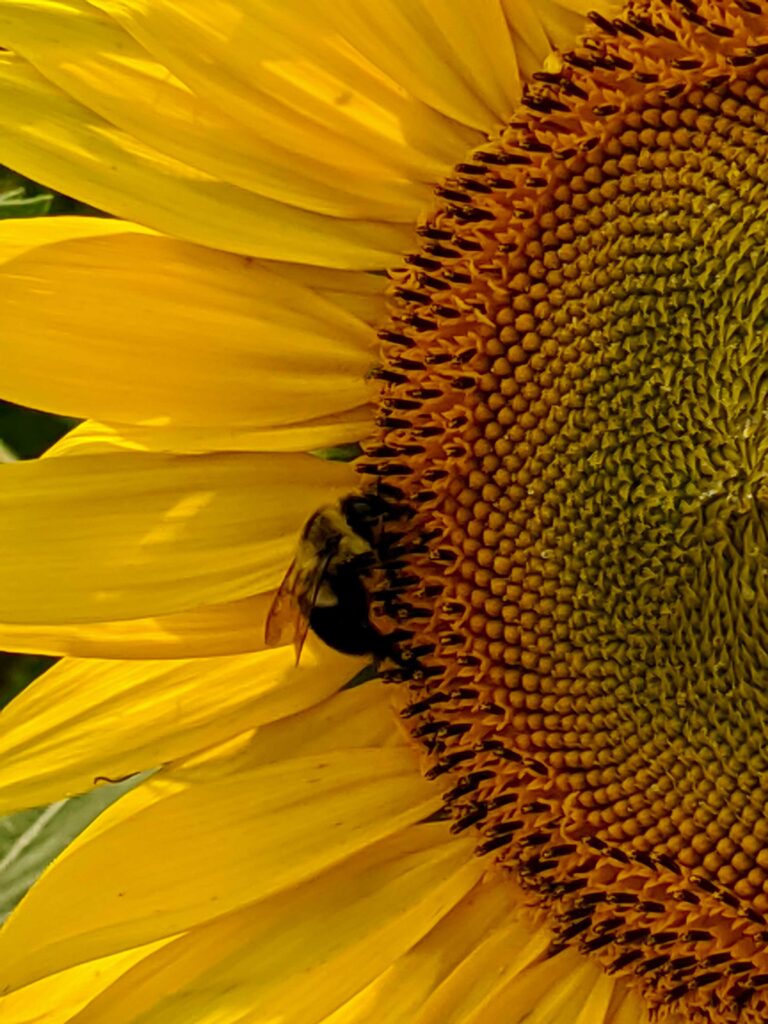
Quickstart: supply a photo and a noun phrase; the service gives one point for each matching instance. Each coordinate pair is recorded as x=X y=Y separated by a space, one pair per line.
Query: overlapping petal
x=570 y=991
x=361 y=294
x=58 y=999
x=500 y=959
x=297 y=956
x=94 y=60
x=285 y=73
x=92 y=438
x=151 y=533
x=57 y=738
x=399 y=993
x=56 y=140
x=208 y=631
x=455 y=55
x=136 y=328
x=359 y=716
x=237 y=838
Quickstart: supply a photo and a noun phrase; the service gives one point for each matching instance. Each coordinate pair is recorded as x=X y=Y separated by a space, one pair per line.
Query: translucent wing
x=288 y=616
x=284 y=615
x=307 y=601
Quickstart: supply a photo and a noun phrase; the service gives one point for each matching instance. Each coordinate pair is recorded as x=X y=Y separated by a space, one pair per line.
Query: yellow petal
x=57 y=999
x=358 y=717
x=597 y=988
x=354 y=717
x=566 y=989
x=398 y=994
x=58 y=737
x=151 y=533
x=77 y=152
x=19 y=239
x=529 y=22
x=234 y=627
x=504 y=955
x=628 y=1007
x=94 y=438
x=206 y=850
x=455 y=55
x=563 y=20
x=138 y=328
x=284 y=72
x=360 y=293
x=296 y=957
x=92 y=59
x=539 y=27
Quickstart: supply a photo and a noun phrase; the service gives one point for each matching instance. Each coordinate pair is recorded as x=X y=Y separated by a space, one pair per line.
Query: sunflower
x=545 y=799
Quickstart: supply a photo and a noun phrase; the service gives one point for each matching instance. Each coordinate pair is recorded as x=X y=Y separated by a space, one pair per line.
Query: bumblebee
x=323 y=589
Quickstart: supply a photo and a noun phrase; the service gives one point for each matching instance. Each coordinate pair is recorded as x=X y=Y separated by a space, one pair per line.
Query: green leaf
x=340 y=453
x=30 y=840
x=15 y=204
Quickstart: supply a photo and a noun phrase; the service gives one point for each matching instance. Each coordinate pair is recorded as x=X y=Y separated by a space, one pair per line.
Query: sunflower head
x=556 y=550
x=572 y=411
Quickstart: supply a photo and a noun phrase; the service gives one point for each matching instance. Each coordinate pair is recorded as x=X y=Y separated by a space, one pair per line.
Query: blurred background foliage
x=25 y=433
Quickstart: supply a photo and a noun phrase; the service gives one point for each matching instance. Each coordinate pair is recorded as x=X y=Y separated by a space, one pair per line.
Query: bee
x=323 y=589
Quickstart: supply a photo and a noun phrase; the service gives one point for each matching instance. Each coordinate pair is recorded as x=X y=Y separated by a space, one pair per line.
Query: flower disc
x=573 y=413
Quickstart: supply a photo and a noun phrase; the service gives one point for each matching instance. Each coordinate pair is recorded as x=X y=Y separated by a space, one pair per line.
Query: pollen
x=573 y=437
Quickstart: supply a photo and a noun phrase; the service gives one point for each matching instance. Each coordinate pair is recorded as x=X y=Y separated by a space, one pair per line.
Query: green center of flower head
x=574 y=427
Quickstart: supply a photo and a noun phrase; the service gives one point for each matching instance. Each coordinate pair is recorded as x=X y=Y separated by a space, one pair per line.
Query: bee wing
x=292 y=605
x=284 y=612
x=309 y=595
x=300 y=635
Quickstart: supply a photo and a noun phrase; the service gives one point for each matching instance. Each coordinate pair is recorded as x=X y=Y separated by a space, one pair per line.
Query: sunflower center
x=574 y=413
